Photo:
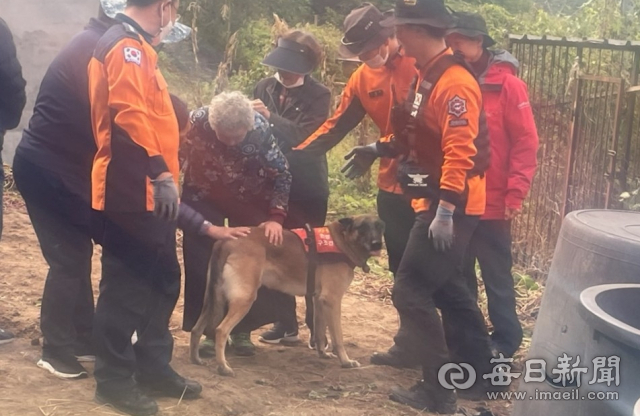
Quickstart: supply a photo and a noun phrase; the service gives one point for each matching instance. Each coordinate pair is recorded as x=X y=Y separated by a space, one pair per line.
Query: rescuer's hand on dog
x=441 y=229
x=227 y=233
x=273 y=231
x=359 y=160
x=165 y=197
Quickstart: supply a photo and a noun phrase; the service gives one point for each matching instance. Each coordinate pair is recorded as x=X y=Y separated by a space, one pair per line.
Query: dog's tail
x=213 y=305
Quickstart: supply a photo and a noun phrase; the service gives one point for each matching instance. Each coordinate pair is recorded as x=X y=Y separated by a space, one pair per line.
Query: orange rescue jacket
x=133 y=121
x=368 y=92
x=453 y=111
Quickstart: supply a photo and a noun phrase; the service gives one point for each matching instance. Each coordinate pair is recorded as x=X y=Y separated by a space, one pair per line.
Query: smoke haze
x=40 y=29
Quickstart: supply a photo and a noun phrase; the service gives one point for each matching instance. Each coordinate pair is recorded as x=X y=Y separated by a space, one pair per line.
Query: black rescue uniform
x=137 y=138
x=12 y=92
x=52 y=169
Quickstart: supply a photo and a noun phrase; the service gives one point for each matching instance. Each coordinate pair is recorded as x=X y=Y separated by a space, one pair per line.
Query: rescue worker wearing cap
x=134 y=182
x=514 y=143
x=440 y=134
x=296 y=104
x=387 y=71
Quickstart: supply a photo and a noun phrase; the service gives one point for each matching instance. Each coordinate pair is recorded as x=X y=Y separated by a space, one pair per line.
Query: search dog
x=239 y=267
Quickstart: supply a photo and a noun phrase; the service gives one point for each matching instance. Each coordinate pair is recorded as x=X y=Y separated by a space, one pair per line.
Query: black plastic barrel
x=587 y=311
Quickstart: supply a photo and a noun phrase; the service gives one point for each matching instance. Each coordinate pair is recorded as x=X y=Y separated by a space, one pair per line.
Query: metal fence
x=584 y=97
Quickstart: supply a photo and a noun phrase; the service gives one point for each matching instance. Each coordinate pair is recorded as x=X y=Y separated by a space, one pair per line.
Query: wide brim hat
x=471 y=25
x=362 y=31
x=292 y=57
x=420 y=12
x=179 y=32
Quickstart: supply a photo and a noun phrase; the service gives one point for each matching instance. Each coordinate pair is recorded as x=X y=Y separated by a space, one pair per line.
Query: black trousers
x=270 y=305
x=428 y=279
x=398 y=215
x=63 y=220
x=139 y=289
x=491 y=246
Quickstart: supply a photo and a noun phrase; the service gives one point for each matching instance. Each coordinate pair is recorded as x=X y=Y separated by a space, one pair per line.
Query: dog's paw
x=225 y=370
x=351 y=364
x=197 y=360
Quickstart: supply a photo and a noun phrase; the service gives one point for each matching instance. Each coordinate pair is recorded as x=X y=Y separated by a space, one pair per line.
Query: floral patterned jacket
x=254 y=171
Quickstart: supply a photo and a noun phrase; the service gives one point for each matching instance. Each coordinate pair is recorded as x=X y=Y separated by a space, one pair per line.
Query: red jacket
x=512 y=130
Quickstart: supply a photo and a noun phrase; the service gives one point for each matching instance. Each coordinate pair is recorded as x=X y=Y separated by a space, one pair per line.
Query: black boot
x=427 y=400
x=170 y=386
x=130 y=401
x=393 y=358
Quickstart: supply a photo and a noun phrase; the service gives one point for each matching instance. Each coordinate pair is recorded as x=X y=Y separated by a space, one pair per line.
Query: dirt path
x=277 y=381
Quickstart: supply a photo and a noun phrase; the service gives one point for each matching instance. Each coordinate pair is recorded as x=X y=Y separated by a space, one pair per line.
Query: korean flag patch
x=457 y=106
x=132 y=55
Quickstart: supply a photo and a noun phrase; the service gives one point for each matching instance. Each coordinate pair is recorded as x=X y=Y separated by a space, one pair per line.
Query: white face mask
x=298 y=83
x=378 y=61
x=166 y=29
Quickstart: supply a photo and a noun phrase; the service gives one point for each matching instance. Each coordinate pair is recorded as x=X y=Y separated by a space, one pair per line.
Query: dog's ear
x=346 y=223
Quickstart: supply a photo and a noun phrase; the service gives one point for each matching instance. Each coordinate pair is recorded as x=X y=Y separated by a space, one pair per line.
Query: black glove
x=165 y=197
x=359 y=160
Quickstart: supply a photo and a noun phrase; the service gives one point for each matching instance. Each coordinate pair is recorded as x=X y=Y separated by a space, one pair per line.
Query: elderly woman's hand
x=273 y=231
x=259 y=107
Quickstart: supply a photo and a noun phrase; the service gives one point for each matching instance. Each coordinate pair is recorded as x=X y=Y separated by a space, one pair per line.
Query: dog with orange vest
x=239 y=267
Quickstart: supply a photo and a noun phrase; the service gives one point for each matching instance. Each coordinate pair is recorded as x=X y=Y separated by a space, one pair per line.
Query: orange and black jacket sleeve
x=347 y=116
x=128 y=85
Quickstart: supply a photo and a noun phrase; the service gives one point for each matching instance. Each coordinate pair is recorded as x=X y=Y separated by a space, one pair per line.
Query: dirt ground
x=278 y=380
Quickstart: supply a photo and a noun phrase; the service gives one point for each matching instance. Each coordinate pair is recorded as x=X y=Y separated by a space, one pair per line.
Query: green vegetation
x=232 y=37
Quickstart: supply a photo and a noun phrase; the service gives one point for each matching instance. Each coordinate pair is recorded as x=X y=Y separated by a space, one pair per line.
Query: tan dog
x=239 y=267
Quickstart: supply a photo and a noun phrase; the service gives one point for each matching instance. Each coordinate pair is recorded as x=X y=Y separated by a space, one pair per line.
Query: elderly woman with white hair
x=235 y=171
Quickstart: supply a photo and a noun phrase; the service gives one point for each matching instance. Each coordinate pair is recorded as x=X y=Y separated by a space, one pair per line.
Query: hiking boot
x=131 y=401
x=6 y=337
x=277 y=334
x=480 y=391
x=64 y=366
x=419 y=397
x=171 y=386
x=391 y=359
x=242 y=344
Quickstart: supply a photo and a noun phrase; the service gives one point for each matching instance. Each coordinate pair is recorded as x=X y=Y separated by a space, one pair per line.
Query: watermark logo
x=457 y=376
x=567 y=373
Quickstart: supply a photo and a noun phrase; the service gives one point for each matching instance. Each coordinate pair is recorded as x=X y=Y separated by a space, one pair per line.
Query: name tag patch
x=376 y=93
x=462 y=122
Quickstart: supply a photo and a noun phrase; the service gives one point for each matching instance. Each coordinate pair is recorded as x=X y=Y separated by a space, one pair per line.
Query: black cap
x=420 y=12
x=471 y=25
x=292 y=57
x=362 y=31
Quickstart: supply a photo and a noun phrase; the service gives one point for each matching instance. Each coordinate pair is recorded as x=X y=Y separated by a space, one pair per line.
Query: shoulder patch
x=132 y=55
x=457 y=106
